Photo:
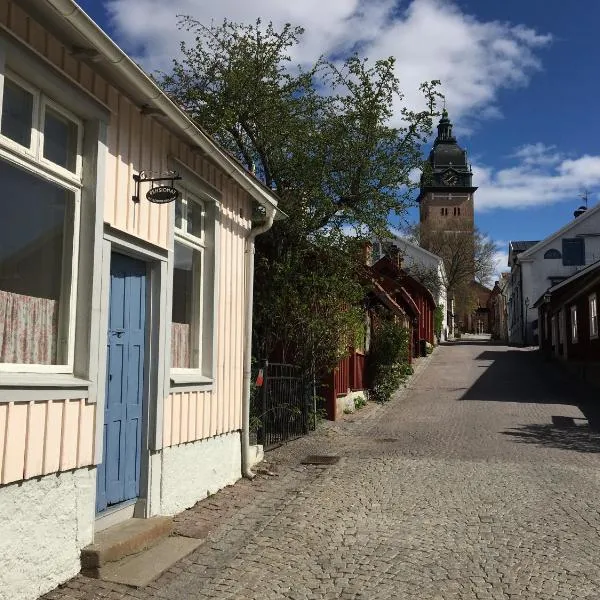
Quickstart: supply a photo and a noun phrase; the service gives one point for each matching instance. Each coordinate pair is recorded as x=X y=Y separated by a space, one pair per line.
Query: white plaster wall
x=346 y=403
x=44 y=524
x=415 y=255
x=192 y=471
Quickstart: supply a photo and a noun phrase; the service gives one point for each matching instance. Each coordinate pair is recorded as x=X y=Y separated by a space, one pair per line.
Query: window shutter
x=573 y=251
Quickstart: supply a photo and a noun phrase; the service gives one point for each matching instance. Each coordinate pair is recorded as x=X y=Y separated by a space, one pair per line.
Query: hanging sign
x=157 y=194
x=162 y=194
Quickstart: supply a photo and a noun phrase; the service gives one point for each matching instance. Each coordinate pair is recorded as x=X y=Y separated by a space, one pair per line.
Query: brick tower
x=447 y=220
x=446 y=196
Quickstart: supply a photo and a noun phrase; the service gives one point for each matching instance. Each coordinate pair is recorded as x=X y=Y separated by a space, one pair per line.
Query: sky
x=520 y=80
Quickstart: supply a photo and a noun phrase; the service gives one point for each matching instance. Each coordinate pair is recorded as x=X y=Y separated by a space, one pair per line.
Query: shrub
x=438 y=320
x=387 y=361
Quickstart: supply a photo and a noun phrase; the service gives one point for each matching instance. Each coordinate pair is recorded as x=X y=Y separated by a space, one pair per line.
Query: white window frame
x=197 y=244
x=574 y=332
x=63 y=112
x=593 y=308
x=31 y=160
x=31 y=151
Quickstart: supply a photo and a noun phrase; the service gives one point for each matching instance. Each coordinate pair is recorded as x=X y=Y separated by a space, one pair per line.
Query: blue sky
x=520 y=79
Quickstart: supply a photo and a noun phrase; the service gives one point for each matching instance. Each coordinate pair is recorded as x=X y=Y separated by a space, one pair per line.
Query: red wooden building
x=407 y=300
x=569 y=323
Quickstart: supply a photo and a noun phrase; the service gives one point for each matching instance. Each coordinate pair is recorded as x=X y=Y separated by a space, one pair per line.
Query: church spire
x=444 y=130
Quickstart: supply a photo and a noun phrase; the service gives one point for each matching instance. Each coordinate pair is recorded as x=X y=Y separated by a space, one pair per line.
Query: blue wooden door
x=119 y=473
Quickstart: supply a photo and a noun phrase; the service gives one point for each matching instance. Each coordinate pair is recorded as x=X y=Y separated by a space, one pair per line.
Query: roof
x=590 y=272
x=386 y=266
x=81 y=35
x=400 y=241
x=522 y=246
x=576 y=222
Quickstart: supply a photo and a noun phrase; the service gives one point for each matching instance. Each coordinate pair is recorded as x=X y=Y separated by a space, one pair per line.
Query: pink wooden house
x=123 y=322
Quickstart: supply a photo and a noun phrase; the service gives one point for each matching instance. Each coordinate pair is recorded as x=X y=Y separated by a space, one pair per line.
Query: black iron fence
x=282 y=404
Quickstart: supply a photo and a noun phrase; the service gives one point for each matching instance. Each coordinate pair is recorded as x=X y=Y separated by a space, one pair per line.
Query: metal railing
x=281 y=404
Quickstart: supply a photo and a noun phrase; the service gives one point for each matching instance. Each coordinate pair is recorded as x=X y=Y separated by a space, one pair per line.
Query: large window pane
x=36 y=251
x=60 y=140
x=185 y=332
x=17 y=113
x=194 y=218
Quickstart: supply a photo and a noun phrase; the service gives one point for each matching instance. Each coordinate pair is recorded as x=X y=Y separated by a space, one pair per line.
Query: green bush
x=438 y=320
x=359 y=402
x=387 y=361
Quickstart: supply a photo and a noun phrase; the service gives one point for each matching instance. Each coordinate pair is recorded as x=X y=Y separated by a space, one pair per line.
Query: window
x=573 y=251
x=444 y=212
x=60 y=140
x=186 y=328
x=38 y=230
x=32 y=124
x=17 y=113
x=456 y=211
x=552 y=253
x=574 y=324
x=593 y=303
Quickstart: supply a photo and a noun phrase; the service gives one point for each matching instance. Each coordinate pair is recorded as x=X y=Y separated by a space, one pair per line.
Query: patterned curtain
x=180 y=346
x=28 y=329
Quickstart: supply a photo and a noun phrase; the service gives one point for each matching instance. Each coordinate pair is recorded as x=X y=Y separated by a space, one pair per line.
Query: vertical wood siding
x=194 y=415
x=39 y=438
x=135 y=142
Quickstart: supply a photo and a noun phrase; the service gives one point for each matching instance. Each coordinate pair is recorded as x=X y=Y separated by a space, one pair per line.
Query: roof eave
x=73 y=16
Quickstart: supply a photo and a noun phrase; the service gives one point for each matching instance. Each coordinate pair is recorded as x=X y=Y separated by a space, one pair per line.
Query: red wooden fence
x=349 y=375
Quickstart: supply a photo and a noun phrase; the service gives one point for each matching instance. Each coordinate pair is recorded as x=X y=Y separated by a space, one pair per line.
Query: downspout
x=254 y=233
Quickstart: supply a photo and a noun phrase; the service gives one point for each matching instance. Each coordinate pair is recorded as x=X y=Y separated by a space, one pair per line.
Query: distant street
x=481 y=481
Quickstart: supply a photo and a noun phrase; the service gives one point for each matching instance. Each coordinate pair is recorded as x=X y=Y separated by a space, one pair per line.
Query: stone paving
x=479 y=481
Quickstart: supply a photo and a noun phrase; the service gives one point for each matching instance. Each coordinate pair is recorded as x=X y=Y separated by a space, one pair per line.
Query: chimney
x=395 y=256
x=367 y=253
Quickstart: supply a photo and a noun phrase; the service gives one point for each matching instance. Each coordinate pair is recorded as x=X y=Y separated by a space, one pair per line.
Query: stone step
x=140 y=569
x=127 y=538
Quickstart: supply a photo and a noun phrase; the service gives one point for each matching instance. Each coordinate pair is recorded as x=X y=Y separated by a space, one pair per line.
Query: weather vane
x=584 y=196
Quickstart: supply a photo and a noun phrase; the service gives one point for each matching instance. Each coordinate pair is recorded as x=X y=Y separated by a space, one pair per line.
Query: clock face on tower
x=450 y=178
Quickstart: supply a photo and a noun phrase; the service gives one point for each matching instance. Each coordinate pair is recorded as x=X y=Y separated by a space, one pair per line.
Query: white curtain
x=180 y=346
x=28 y=329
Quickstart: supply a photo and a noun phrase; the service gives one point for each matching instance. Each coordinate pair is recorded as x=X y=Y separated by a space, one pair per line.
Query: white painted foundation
x=193 y=471
x=44 y=524
x=345 y=404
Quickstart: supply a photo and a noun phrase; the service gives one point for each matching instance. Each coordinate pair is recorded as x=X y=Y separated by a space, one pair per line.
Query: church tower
x=446 y=196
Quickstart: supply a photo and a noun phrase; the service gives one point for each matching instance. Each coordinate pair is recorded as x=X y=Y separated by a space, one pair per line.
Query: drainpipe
x=254 y=232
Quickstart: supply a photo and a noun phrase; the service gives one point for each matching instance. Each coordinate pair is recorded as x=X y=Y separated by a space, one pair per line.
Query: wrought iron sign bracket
x=158 y=194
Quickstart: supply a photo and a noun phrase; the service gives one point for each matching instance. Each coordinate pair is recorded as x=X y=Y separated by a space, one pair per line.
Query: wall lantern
x=547 y=297
x=157 y=194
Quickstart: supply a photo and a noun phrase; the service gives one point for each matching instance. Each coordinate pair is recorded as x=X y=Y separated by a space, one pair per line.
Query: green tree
x=322 y=138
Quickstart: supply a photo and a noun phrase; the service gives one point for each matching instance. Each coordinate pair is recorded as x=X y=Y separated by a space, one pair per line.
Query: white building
x=537 y=266
x=420 y=262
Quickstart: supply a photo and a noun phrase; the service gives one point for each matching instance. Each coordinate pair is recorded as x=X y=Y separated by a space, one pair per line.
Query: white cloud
x=500 y=258
x=538 y=154
x=431 y=39
x=542 y=176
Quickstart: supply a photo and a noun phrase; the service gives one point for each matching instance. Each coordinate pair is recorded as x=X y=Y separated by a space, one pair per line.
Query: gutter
x=156 y=99
x=250 y=251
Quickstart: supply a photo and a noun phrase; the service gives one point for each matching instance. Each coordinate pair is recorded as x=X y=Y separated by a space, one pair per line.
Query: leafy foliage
x=322 y=138
x=438 y=320
x=387 y=361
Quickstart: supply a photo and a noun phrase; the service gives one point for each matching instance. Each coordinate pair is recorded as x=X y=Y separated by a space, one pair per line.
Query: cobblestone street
x=481 y=480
